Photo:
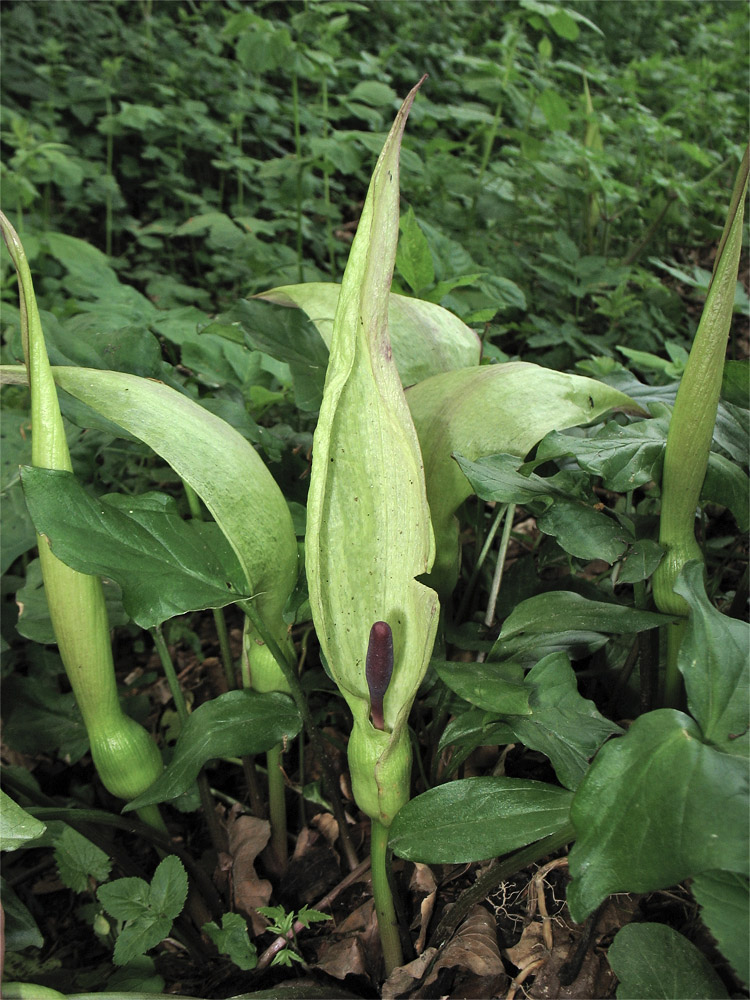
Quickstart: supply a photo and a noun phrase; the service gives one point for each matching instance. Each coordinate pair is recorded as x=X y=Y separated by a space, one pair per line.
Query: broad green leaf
x=640 y=561
x=16 y=825
x=727 y=484
x=561 y=724
x=165 y=566
x=625 y=457
x=473 y=729
x=714 y=659
x=655 y=962
x=491 y=686
x=425 y=338
x=220 y=465
x=584 y=531
x=724 y=898
x=21 y=930
x=563 y=609
x=528 y=648
x=488 y=410
x=233 y=725
x=169 y=887
x=78 y=860
x=656 y=806
x=477 y=818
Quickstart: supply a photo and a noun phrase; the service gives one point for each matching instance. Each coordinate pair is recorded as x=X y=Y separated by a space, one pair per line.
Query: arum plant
x=691 y=430
x=123 y=752
x=369 y=534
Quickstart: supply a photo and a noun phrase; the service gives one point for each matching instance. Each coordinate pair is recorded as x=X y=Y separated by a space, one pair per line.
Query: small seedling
x=283 y=924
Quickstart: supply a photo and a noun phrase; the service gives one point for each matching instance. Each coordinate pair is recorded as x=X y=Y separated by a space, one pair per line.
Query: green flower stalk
x=124 y=754
x=691 y=429
x=369 y=534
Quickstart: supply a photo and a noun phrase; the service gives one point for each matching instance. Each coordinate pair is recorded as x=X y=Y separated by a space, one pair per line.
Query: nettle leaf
x=232 y=939
x=16 y=825
x=149 y=910
x=477 y=818
x=233 y=725
x=413 y=256
x=714 y=659
x=657 y=806
x=655 y=962
x=425 y=338
x=78 y=860
x=724 y=899
x=560 y=504
x=165 y=566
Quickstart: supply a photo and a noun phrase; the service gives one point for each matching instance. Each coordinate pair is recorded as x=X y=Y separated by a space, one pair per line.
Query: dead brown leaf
x=423 y=884
x=248 y=835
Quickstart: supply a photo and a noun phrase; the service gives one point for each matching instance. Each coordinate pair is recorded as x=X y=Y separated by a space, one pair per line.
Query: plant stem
x=178 y=697
x=277 y=804
x=674 y=691
x=298 y=154
x=288 y=669
x=381 y=891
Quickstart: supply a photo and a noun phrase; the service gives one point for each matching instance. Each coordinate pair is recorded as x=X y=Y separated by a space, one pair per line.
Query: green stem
x=178 y=697
x=290 y=673
x=674 y=692
x=152 y=817
x=381 y=891
x=277 y=804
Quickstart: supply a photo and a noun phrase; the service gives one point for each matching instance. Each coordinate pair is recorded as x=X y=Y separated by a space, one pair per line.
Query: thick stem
x=381 y=891
x=277 y=805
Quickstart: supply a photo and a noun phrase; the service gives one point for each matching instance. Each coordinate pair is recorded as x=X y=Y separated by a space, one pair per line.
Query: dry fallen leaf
x=422 y=883
x=248 y=835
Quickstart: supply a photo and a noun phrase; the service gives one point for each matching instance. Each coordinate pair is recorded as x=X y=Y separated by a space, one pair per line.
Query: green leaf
x=563 y=609
x=413 y=257
x=169 y=888
x=34 y=620
x=220 y=465
x=714 y=659
x=657 y=806
x=654 y=962
x=724 y=898
x=16 y=825
x=21 y=930
x=374 y=93
x=727 y=484
x=138 y=936
x=583 y=531
x=561 y=724
x=232 y=939
x=555 y=109
x=625 y=457
x=477 y=818
x=125 y=898
x=233 y=725
x=78 y=860
x=492 y=409
x=640 y=561
x=491 y=686
x=425 y=338
x=165 y=566
x=563 y=24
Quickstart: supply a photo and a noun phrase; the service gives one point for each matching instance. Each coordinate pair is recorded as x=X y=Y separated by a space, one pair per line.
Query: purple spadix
x=378 y=668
